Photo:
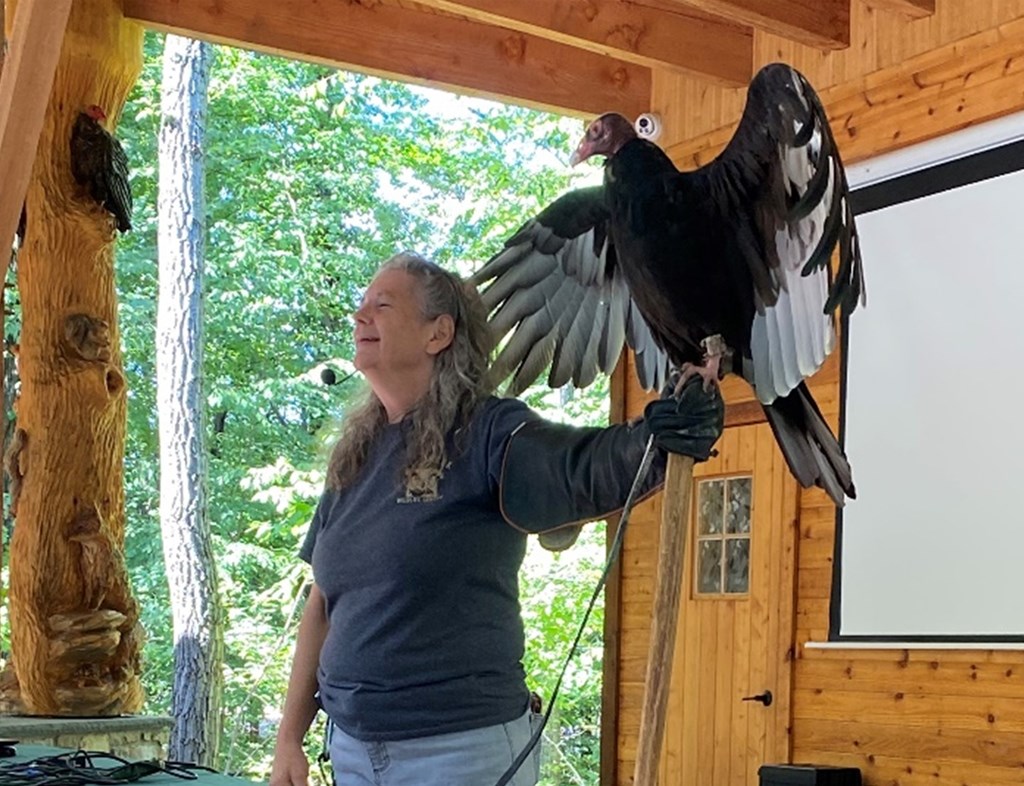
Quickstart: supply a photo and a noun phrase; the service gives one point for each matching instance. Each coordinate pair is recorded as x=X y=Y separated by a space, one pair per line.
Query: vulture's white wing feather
x=784 y=160
x=556 y=298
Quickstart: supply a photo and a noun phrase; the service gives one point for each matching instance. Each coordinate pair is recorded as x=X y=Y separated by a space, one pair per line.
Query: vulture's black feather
x=662 y=259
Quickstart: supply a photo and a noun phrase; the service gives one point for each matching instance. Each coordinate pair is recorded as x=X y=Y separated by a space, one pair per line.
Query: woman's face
x=393 y=340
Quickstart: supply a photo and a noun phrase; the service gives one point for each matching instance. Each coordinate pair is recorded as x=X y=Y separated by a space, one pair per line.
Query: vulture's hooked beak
x=584 y=151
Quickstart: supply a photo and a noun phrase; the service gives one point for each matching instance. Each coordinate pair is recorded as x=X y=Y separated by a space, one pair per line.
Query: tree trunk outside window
x=188 y=554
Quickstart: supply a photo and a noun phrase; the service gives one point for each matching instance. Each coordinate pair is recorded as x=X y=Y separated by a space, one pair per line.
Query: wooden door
x=735 y=634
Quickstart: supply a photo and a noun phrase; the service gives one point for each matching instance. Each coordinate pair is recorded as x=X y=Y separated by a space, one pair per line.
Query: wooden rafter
x=36 y=38
x=820 y=23
x=414 y=45
x=914 y=9
x=678 y=38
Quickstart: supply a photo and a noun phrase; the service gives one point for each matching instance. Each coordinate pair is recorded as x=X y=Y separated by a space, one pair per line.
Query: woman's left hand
x=688 y=422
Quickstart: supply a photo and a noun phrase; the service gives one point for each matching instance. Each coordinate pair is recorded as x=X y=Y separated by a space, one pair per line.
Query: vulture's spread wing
x=780 y=185
x=556 y=292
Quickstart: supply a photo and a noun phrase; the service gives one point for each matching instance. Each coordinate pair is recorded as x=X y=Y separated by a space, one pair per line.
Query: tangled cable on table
x=89 y=768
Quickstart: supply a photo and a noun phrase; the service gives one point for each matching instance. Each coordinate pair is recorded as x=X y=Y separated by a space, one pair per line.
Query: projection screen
x=933 y=408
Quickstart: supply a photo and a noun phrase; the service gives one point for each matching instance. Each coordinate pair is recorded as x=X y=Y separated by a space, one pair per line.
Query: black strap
x=613 y=553
x=325 y=751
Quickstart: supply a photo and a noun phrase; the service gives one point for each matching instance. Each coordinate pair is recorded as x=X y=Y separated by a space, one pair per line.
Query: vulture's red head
x=604 y=137
x=96 y=113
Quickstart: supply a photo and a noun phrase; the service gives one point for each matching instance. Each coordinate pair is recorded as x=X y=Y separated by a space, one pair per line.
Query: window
x=723 y=536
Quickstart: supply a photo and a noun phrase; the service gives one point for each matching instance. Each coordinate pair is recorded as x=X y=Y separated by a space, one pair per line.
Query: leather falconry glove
x=555 y=477
x=689 y=422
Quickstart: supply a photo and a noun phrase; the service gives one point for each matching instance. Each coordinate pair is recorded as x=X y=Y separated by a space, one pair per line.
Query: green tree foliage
x=313 y=177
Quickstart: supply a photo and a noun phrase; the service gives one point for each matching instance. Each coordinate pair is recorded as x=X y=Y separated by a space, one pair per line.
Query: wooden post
x=75 y=633
x=675 y=516
x=35 y=40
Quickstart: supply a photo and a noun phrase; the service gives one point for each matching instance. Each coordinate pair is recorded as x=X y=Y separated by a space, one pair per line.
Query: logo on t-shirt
x=421 y=485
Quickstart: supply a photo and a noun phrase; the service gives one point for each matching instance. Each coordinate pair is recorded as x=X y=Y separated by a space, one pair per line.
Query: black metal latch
x=765 y=698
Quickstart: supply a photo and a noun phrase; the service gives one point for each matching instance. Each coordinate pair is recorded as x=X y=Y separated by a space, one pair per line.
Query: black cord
x=83 y=768
x=187 y=766
x=325 y=752
x=613 y=553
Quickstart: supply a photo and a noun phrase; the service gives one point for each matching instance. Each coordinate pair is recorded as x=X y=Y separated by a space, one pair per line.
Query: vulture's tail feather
x=807 y=443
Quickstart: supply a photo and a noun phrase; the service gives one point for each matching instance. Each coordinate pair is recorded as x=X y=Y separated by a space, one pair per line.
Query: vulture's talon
x=708 y=373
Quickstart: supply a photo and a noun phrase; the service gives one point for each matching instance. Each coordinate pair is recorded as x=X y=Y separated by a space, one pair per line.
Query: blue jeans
x=478 y=757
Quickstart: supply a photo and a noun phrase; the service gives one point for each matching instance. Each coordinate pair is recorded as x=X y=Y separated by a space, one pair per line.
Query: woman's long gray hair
x=458 y=385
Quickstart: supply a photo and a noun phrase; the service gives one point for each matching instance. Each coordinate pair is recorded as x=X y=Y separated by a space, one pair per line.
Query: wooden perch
x=675 y=516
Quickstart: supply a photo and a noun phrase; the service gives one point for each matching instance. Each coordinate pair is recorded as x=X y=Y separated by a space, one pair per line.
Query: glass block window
x=723 y=536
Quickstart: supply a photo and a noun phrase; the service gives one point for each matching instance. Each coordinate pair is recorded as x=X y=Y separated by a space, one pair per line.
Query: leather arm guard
x=555 y=478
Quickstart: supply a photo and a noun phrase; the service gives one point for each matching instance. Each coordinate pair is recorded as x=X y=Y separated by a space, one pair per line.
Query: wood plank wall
x=906 y=718
x=880 y=41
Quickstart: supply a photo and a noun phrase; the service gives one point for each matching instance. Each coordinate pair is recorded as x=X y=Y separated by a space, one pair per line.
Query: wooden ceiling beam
x=413 y=45
x=913 y=9
x=680 y=39
x=824 y=24
x=37 y=34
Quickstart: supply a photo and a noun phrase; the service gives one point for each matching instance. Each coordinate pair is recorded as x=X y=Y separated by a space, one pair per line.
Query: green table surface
x=203 y=778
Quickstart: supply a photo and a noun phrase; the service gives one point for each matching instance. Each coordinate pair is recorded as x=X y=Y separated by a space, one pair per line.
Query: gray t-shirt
x=422 y=592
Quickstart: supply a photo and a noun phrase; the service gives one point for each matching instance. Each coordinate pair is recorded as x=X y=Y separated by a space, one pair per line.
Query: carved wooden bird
x=724 y=268
x=98 y=162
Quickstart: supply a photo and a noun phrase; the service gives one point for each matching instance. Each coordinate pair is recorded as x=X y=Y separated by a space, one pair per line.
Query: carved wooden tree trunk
x=74 y=624
x=188 y=550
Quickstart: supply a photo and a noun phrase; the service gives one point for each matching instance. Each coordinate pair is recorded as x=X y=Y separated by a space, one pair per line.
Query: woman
x=412 y=632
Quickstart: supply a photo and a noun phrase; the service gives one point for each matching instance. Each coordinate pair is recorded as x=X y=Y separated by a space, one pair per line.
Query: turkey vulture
x=725 y=268
x=98 y=162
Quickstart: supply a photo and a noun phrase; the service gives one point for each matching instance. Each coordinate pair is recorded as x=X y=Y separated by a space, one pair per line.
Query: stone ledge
x=34 y=726
x=134 y=737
